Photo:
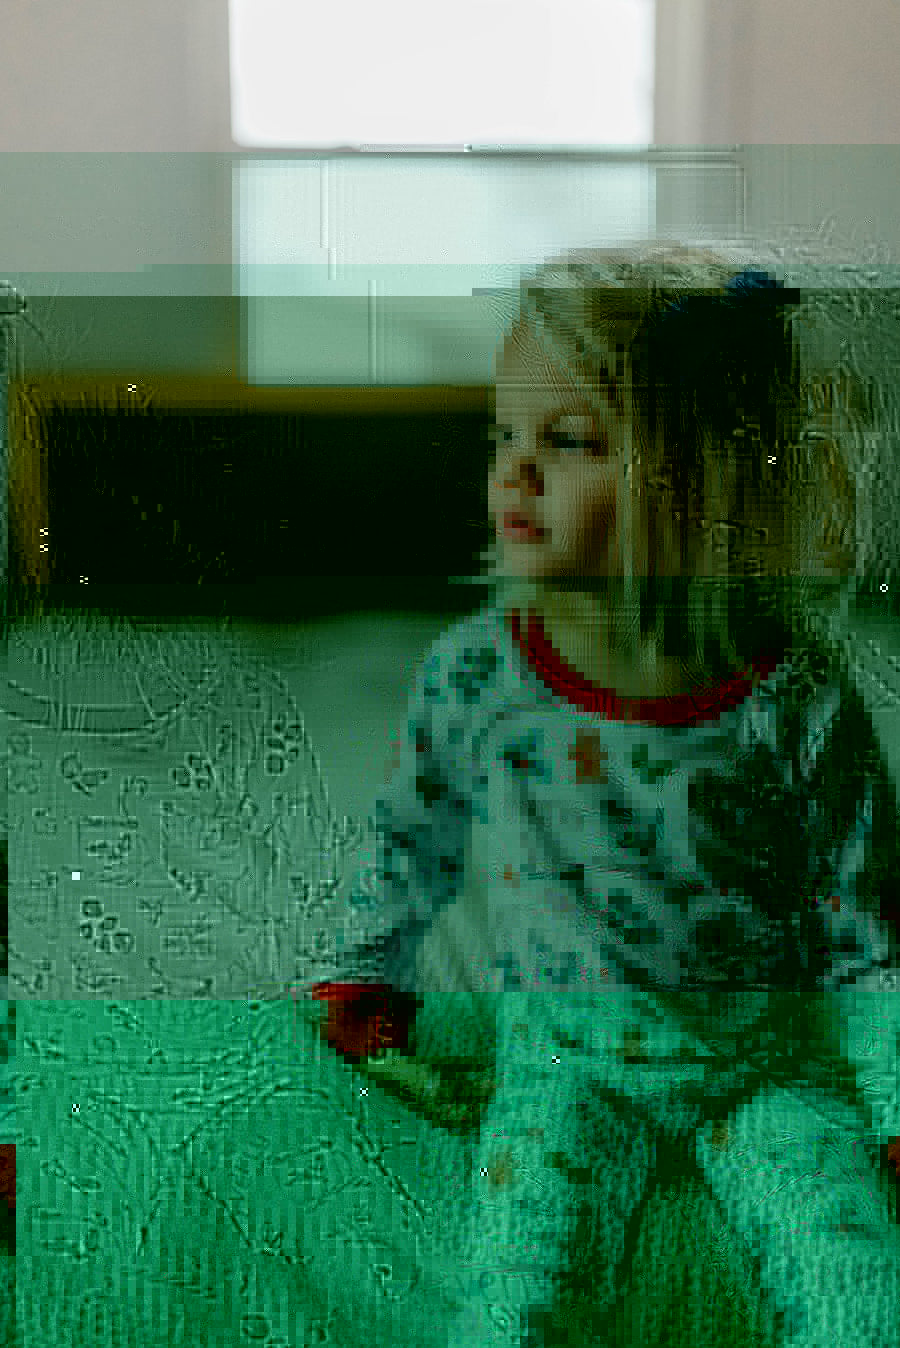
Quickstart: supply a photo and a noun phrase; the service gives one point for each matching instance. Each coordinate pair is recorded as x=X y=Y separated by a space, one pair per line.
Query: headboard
x=12 y=306
x=304 y=499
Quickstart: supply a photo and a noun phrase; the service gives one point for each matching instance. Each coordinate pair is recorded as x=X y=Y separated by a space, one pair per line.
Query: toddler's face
x=557 y=462
x=560 y=462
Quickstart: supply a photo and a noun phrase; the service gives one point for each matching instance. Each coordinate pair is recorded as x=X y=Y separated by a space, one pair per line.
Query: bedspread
x=193 y=1168
x=171 y=832
x=208 y=1172
x=195 y=1165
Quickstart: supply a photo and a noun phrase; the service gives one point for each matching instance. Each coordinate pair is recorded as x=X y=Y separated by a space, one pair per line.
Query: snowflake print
x=591 y=758
x=475 y=671
x=524 y=755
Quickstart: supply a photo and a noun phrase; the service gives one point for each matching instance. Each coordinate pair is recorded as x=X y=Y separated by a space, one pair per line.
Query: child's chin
x=520 y=562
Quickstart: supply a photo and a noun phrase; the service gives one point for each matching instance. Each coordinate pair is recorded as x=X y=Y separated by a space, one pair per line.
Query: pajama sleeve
x=854 y=828
x=855 y=809
x=412 y=866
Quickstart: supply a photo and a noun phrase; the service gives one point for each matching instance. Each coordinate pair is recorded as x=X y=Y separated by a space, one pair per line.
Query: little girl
x=641 y=813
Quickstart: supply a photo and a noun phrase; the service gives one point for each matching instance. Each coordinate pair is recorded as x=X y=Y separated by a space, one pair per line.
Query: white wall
x=853 y=191
x=107 y=75
x=767 y=72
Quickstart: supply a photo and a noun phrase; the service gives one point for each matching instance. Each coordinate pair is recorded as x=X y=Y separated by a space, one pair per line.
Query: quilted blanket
x=211 y=1172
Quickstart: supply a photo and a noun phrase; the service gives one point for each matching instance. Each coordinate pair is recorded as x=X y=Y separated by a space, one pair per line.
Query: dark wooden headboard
x=169 y=485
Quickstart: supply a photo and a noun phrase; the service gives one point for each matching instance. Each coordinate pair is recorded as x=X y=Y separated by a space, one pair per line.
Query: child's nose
x=525 y=472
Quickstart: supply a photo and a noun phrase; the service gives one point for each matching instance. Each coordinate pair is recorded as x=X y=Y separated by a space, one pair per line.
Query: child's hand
x=365 y=1019
x=893 y=1156
x=8 y=1174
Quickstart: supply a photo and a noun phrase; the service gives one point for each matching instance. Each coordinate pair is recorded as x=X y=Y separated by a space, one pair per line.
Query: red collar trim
x=681 y=709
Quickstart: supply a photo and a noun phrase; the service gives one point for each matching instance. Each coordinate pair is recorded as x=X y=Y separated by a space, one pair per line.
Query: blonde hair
x=804 y=372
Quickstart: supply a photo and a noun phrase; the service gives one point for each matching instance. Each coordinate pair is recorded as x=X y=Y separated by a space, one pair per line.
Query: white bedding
x=171 y=832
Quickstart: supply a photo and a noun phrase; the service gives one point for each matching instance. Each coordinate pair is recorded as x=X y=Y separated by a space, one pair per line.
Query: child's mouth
x=520 y=529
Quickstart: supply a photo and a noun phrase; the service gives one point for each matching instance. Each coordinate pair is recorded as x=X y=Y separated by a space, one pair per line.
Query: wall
x=111 y=76
x=810 y=91
x=761 y=72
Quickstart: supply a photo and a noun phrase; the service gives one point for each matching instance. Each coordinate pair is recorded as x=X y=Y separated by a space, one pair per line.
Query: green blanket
x=197 y=1172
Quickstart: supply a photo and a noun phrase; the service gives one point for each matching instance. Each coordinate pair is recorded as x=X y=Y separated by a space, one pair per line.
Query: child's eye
x=571 y=442
x=565 y=440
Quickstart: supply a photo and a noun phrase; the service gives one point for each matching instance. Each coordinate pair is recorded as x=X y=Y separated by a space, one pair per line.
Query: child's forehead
x=535 y=368
x=526 y=341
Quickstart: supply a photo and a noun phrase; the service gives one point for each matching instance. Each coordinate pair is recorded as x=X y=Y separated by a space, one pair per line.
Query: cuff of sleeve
x=365 y=1019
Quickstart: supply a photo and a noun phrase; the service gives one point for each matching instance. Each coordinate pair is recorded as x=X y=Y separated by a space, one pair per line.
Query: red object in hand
x=893 y=1155
x=8 y=1173
x=365 y=1018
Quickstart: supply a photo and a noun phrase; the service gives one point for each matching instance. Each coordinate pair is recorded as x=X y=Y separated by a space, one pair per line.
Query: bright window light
x=385 y=269
x=474 y=72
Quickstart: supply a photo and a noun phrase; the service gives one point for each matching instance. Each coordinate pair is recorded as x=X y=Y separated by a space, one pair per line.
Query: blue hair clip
x=749 y=284
x=702 y=346
x=744 y=285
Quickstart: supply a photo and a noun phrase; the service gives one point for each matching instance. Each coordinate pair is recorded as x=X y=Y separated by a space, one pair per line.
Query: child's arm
x=859 y=914
x=853 y=809
x=413 y=868
x=453 y=1099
